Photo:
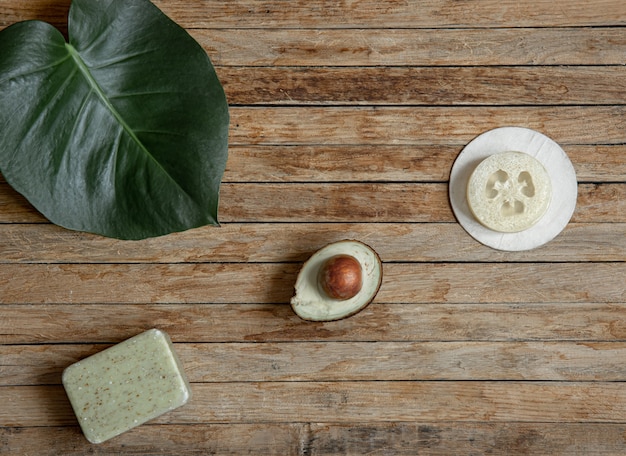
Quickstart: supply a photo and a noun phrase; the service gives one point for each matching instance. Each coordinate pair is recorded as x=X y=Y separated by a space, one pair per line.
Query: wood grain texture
x=346 y=118
x=273 y=283
x=425 y=85
x=220 y=323
x=374 y=202
x=581 y=125
x=295 y=242
x=403 y=438
x=390 y=163
x=319 y=14
x=341 y=361
x=371 y=401
x=353 y=47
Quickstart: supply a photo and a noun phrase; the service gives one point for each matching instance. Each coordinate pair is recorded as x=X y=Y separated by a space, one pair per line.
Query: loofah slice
x=509 y=192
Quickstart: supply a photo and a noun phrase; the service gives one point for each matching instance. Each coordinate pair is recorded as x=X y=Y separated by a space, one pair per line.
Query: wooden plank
x=410 y=47
x=102 y=323
x=22 y=365
x=594 y=85
x=266 y=242
x=365 y=13
x=444 y=438
x=421 y=125
x=14 y=208
x=417 y=203
x=348 y=202
x=273 y=283
x=370 y=13
x=279 y=402
x=223 y=439
x=336 y=203
x=400 y=438
x=390 y=163
x=53 y=12
x=405 y=47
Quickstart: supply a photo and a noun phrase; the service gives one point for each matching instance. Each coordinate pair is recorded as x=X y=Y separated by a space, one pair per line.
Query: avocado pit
x=341 y=277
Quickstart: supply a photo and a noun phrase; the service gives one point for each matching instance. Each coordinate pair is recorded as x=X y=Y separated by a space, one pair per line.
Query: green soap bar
x=126 y=385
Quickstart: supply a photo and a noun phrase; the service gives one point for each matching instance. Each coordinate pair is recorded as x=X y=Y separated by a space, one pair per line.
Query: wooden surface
x=346 y=119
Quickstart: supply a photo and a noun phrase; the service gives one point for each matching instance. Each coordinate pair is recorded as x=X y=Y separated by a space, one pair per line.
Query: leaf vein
x=123 y=59
x=36 y=70
x=107 y=102
x=41 y=112
x=141 y=94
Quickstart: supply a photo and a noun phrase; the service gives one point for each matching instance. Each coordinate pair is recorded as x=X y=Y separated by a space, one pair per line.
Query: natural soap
x=126 y=385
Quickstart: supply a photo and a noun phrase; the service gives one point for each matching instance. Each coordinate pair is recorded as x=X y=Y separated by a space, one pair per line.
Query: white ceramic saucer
x=554 y=160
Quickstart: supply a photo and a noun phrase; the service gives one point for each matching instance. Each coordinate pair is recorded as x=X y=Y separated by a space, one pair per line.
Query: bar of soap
x=126 y=385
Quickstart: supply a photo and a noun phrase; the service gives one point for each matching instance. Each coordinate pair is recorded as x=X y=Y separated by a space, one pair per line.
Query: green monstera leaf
x=122 y=131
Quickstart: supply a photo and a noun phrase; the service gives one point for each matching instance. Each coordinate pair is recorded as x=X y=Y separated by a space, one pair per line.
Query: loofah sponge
x=509 y=192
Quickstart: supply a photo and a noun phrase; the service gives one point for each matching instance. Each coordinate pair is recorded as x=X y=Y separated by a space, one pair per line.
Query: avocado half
x=310 y=301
